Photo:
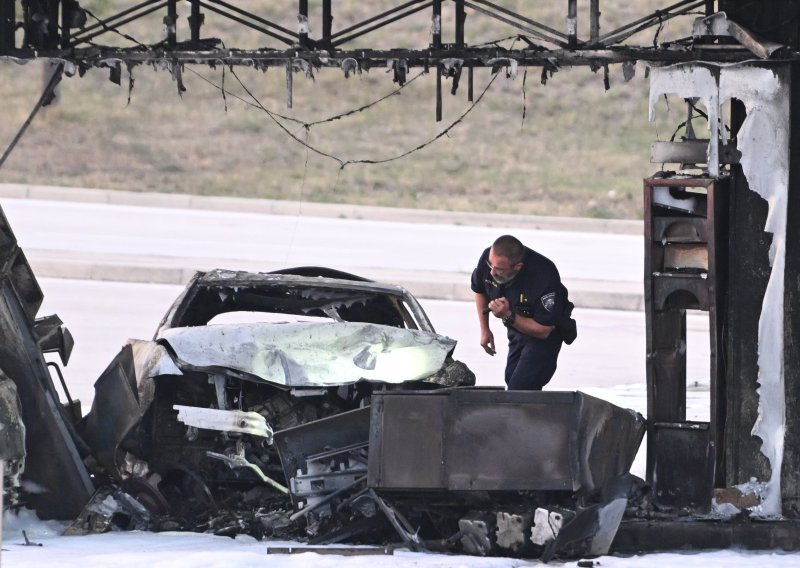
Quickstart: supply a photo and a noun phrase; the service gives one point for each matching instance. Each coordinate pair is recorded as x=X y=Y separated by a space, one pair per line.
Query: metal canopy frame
x=57 y=29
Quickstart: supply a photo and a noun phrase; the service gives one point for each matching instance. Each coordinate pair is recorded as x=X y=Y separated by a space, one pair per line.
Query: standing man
x=522 y=288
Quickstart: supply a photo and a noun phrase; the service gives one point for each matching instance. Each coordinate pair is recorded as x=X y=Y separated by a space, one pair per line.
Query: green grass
x=581 y=151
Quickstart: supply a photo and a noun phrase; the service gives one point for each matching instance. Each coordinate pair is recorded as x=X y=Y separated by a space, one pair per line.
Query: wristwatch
x=508 y=321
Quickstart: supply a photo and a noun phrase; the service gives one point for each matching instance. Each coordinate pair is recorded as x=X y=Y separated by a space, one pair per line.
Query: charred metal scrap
x=309 y=404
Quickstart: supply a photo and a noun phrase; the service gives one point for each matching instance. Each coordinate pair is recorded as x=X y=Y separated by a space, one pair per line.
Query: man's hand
x=500 y=308
x=487 y=342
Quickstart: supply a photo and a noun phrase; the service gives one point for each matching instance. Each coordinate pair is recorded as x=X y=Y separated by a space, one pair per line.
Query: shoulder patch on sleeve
x=548 y=301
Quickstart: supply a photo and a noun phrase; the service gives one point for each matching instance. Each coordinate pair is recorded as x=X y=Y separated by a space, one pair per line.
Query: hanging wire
x=112 y=29
x=342 y=162
x=302 y=123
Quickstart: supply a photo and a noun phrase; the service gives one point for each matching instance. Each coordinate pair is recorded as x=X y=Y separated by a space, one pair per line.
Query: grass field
x=580 y=151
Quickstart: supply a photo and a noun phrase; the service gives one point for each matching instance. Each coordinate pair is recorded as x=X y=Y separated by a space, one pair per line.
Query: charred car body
x=307 y=403
x=186 y=421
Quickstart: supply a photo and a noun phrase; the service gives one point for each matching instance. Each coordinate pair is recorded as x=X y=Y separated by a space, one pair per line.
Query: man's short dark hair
x=509 y=247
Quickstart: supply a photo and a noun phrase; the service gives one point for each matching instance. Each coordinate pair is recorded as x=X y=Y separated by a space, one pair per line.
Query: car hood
x=297 y=354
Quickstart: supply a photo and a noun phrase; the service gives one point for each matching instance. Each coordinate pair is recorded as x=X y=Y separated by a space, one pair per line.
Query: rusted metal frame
x=336 y=43
x=195 y=20
x=77 y=40
x=108 y=21
x=653 y=19
x=171 y=23
x=531 y=31
x=522 y=18
x=244 y=22
x=436 y=26
x=594 y=20
x=252 y=16
x=377 y=17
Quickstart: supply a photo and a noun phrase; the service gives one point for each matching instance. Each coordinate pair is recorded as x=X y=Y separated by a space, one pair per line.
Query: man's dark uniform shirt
x=535 y=292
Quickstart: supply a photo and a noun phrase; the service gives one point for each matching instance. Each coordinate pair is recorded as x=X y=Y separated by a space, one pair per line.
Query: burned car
x=304 y=404
x=185 y=422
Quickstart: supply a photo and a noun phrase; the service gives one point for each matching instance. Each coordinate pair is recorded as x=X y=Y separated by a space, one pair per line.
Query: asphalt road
x=166 y=245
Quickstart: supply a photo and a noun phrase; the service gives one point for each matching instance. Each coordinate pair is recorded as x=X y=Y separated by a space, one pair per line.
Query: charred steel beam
x=66 y=8
x=657 y=17
x=572 y=23
x=7 y=17
x=327 y=22
x=258 y=19
x=252 y=16
x=438 y=93
x=532 y=28
x=171 y=23
x=461 y=18
x=86 y=37
x=208 y=6
x=195 y=21
x=594 y=21
x=473 y=57
x=110 y=21
x=302 y=16
x=380 y=16
x=437 y=24
x=365 y=31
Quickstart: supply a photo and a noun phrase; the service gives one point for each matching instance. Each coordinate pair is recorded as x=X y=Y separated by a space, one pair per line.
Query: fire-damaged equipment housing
x=484 y=471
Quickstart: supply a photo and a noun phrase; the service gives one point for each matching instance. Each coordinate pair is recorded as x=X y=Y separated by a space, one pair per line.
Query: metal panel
x=409 y=434
x=682 y=465
x=511 y=445
x=499 y=440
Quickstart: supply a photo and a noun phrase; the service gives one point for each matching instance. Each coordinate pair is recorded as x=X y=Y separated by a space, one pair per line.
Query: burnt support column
x=572 y=23
x=790 y=475
x=594 y=20
x=461 y=17
x=7 y=25
x=436 y=24
x=750 y=269
x=327 y=23
x=749 y=272
x=302 y=16
x=195 y=21
x=171 y=22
